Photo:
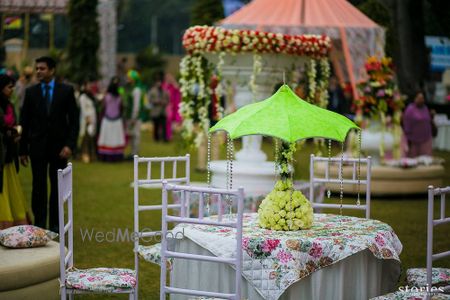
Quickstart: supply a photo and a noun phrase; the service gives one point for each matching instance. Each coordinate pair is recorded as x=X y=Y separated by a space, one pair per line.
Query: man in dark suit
x=50 y=122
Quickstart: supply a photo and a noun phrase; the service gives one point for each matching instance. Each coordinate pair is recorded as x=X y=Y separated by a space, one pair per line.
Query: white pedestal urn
x=374 y=136
x=251 y=169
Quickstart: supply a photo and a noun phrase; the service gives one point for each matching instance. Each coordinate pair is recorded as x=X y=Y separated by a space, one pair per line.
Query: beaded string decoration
x=329 y=160
x=358 y=201
x=229 y=183
x=208 y=176
x=341 y=177
x=276 y=156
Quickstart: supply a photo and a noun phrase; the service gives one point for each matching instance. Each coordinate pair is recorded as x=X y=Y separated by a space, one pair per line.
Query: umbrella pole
x=348 y=62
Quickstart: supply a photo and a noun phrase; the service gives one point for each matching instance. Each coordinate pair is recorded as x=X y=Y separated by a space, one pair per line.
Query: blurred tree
x=149 y=62
x=84 y=40
x=135 y=24
x=437 y=17
x=409 y=50
x=207 y=12
x=410 y=21
x=2 y=54
x=378 y=13
x=60 y=56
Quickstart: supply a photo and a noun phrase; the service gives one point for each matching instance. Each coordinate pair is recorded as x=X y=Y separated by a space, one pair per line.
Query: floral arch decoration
x=197 y=72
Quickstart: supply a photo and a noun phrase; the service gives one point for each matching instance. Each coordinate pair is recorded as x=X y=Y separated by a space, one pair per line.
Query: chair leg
x=133 y=296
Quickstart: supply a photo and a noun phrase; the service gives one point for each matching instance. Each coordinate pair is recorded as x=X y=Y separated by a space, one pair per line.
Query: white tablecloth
x=339 y=257
x=442 y=140
x=359 y=277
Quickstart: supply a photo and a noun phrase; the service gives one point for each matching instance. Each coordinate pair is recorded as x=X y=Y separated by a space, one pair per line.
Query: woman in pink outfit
x=417 y=127
x=170 y=85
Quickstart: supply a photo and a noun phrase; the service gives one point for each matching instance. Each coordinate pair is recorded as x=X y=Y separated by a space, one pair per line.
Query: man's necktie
x=47 y=97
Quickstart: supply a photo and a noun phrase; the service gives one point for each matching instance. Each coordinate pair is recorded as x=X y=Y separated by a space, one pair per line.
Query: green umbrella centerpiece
x=287 y=117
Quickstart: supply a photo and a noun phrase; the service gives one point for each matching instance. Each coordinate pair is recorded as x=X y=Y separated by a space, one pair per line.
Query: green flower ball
x=285 y=209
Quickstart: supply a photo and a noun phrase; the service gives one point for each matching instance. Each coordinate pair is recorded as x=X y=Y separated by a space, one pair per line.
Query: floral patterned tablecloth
x=273 y=260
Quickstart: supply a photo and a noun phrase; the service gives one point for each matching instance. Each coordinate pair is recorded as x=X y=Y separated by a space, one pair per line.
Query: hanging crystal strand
x=227 y=197
x=231 y=162
x=228 y=162
x=358 y=201
x=329 y=159
x=231 y=171
x=276 y=157
x=208 y=177
x=292 y=193
x=341 y=195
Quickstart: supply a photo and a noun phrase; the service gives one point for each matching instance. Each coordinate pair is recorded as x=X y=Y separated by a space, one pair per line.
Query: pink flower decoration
x=270 y=245
x=381 y=93
x=245 y=243
x=284 y=256
x=380 y=241
x=316 y=250
x=272 y=275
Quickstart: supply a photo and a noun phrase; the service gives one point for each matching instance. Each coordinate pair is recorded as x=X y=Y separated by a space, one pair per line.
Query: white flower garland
x=323 y=82
x=257 y=68
x=219 y=89
x=311 y=72
x=383 y=131
x=397 y=131
x=196 y=95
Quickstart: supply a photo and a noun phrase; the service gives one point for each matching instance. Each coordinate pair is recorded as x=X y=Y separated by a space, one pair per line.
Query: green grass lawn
x=103 y=202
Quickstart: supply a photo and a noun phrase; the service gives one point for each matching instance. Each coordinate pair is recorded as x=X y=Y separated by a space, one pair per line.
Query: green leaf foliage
x=84 y=40
x=149 y=63
x=207 y=12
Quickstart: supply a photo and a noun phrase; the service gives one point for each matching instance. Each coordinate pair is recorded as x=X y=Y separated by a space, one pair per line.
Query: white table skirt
x=442 y=140
x=361 y=276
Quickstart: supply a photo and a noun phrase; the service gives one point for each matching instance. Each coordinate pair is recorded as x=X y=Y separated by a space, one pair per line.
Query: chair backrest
x=234 y=222
x=180 y=174
x=176 y=177
x=339 y=178
x=431 y=223
x=65 y=226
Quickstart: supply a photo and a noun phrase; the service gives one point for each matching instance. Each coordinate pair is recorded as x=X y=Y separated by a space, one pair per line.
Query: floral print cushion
x=25 y=236
x=411 y=295
x=152 y=254
x=101 y=280
x=418 y=276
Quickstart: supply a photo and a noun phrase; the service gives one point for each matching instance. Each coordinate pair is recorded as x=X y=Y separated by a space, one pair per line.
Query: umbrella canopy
x=299 y=13
x=284 y=115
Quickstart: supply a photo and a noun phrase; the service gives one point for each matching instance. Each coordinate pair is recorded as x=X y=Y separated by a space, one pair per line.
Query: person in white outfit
x=111 y=140
x=88 y=123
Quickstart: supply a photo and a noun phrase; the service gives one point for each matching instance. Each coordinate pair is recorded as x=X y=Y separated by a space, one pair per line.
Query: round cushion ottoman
x=30 y=273
x=388 y=180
